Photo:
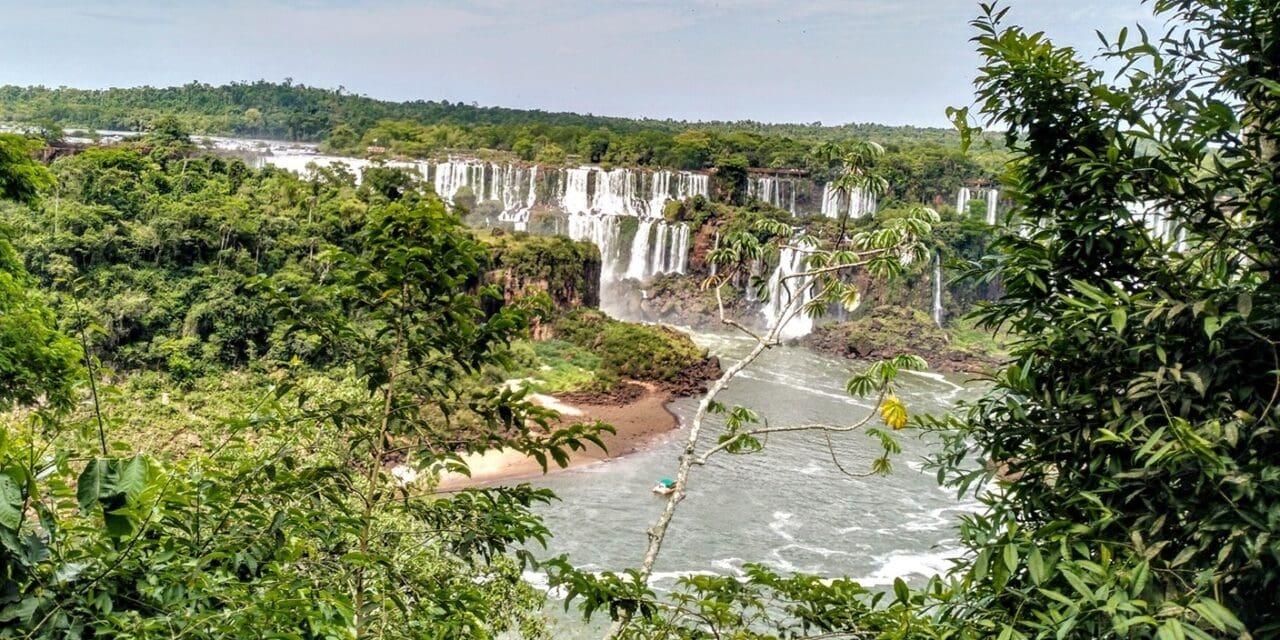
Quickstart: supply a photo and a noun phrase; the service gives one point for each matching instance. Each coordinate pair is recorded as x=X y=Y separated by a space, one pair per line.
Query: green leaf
x=92 y=484
x=118 y=525
x=10 y=503
x=901 y=591
x=1011 y=557
x=1118 y=319
x=1035 y=564
x=1244 y=304
x=1211 y=325
x=1170 y=630
x=133 y=478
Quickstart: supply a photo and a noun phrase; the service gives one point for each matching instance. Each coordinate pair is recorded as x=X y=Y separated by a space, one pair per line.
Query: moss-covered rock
x=890 y=331
x=642 y=352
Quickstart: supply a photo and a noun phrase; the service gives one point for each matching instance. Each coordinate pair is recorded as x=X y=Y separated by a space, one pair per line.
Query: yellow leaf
x=893 y=412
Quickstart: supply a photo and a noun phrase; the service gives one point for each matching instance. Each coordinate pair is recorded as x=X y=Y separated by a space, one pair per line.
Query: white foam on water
x=810 y=469
x=906 y=564
x=846 y=399
x=821 y=551
x=781 y=522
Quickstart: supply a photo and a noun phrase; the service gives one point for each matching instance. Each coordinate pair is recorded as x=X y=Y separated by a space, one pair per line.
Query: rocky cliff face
x=566 y=270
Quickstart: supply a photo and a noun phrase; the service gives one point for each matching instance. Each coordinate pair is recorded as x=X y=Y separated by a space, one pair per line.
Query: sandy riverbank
x=637 y=422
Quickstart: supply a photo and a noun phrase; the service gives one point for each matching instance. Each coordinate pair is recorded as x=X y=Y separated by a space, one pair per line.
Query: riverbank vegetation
x=227 y=390
x=1131 y=434
x=272 y=376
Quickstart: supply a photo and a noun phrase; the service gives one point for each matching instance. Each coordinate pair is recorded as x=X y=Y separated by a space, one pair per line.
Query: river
x=788 y=506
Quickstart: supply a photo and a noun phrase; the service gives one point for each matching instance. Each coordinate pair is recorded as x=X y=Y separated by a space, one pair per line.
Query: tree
x=50 y=131
x=731 y=179
x=823 y=280
x=36 y=361
x=21 y=177
x=170 y=134
x=550 y=154
x=1136 y=424
x=295 y=492
x=253 y=120
x=342 y=138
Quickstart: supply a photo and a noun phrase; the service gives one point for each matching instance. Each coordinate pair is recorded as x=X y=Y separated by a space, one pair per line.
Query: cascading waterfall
x=595 y=200
x=777 y=192
x=574 y=195
x=830 y=201
x=659 y=193
x=857 y=202
x=962 y=199
x=990 y=196
x=788 y=295
x=451 y=176
x=638 y=266
x=937 y=289
x=861 y=203
x=604 y=232
x=615 y=193
x=681 y=252
x=659 y=257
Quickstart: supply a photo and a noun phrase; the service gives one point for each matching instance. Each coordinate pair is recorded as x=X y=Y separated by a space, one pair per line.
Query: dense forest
x=351 y=124
x=229 y=392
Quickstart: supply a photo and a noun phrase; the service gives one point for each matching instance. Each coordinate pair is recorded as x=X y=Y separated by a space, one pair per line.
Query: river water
x=789 y=506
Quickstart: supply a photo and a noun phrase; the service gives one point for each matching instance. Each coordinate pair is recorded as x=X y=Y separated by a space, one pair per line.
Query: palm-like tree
x=854 y=164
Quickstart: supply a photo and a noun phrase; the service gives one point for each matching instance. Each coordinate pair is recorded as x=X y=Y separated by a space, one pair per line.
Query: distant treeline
x=351 y=123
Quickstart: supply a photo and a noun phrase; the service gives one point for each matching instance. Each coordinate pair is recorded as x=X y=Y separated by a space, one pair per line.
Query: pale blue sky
x=888 y=61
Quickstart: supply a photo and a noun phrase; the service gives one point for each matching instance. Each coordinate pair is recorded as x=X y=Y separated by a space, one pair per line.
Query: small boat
x=665 y=486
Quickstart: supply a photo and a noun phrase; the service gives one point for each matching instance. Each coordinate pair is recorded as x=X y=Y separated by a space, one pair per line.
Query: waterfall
x=787 y=294
x=595 y=201
x=659 y=259
x=680 y=256
x=692 y=184
x=937 y=289
x=859 y=203
x=962 y=200
x=574 y=198
x=604 y=232
x=615 y=193
x=993 y=201
x=638 y=267
x=659 y=193
x=778 y=192
x=658 y=248
x=830 y=201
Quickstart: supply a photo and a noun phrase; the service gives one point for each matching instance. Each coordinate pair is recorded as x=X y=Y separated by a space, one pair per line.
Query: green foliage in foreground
x=1127 y=456
x=284 y=517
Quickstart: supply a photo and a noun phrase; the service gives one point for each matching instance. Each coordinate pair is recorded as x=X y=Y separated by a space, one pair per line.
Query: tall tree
x=1137 y=425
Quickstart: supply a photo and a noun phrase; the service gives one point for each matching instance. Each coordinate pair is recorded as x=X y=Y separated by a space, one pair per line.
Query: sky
x=834 y=61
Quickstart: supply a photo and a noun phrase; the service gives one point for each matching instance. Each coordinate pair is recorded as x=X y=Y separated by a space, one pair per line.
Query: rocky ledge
x=886 y=332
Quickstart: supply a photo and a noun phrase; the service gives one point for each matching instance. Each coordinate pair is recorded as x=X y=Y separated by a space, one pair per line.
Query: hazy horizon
x=771 y=61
